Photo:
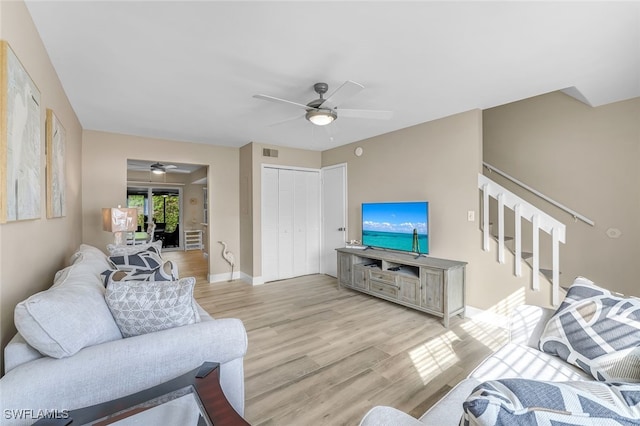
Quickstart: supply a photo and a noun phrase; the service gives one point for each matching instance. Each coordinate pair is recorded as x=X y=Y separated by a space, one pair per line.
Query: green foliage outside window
x=137 y=201
x=166 y=210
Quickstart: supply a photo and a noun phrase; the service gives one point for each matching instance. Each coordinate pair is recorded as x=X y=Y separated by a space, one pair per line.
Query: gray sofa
x=519 y=358
x=92 y=362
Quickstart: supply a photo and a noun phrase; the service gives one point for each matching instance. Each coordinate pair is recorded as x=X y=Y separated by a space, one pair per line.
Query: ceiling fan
x=159 y=168
x=323 y=111
x=153 y=167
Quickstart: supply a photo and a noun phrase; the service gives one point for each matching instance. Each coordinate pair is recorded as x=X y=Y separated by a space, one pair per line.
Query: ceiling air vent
x=266 y=152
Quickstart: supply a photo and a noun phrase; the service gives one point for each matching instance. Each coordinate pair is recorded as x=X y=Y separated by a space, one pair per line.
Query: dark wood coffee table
x=199 y=387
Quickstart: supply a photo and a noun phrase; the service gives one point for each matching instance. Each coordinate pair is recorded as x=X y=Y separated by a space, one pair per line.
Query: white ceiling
x=188 y=70
x=145 y=166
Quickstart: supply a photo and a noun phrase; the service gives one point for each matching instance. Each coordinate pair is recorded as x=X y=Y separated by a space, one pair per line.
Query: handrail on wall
x=573 y=213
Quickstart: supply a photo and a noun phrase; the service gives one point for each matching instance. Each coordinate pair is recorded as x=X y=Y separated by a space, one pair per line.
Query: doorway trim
x=325 y=249
x=260 y=279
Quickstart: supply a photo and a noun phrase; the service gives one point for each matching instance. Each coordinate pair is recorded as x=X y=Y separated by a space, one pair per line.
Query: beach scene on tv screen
x=393 y=225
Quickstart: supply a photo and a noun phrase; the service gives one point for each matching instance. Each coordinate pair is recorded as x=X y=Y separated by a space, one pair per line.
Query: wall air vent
x=266 y=152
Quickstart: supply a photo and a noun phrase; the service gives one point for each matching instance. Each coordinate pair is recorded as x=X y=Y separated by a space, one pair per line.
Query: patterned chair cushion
x=597 y=331
x=167 y=272
x=149 y=306
x=530 y=402
x=147 y=259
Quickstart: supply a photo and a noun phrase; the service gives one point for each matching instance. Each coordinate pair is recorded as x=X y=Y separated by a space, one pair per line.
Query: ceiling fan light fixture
x=321 y=117
x=157 y=171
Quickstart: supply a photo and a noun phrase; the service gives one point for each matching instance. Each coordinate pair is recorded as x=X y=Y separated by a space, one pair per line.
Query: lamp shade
x=118 y=219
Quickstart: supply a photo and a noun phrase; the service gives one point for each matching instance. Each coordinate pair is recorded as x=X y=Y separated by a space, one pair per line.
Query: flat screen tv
x=402 y=226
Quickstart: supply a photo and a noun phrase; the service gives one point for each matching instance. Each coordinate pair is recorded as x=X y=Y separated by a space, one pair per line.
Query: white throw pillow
x=69 y=316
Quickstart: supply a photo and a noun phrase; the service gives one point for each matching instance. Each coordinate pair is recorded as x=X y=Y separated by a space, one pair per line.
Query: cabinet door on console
x=360 y=275
x=409 y=289
x=345 y=269
x=432 y=292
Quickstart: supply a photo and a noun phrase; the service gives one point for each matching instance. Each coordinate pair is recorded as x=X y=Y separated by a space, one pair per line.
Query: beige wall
x=438 y=161
x=104 y=177
x=587 y=159
x=32 y=251
x=246 y=210
x=254 y=160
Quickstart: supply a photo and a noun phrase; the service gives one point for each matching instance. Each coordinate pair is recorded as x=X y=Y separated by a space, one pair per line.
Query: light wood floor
x=322 y=356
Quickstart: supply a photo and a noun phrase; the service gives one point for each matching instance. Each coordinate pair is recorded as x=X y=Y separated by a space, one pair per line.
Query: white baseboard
x=252 y=280
x=217 y=278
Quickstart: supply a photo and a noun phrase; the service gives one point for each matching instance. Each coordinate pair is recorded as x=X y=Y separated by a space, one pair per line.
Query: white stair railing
x=540 y=221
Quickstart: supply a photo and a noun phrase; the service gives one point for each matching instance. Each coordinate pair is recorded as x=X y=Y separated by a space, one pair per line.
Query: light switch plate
x=471 y=215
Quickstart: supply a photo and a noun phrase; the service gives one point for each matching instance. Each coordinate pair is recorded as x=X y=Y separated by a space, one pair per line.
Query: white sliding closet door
x=269 y=224
x=306 y=223
x=286 y=204
x=290 y=223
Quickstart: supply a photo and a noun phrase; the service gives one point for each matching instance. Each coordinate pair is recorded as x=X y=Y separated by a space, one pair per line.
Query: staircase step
x=526 y=255
x=506 y=237
x=548 y=273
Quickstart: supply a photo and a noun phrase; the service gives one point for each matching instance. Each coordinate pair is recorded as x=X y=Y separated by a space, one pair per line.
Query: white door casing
x=334 y=215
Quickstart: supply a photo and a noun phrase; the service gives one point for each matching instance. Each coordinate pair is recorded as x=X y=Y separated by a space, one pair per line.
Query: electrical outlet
x=471 y=215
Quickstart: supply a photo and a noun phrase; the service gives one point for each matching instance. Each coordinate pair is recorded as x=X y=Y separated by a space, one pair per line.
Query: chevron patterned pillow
x=146 y=259
x=597 y=331
x=167 y=272
x=531 y=403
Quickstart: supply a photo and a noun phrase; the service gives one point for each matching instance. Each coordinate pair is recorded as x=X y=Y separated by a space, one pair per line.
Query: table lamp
x=119 y=221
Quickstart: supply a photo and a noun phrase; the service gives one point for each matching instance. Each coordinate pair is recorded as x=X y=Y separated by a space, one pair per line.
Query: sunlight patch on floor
x=491 y=326
x=435 y=356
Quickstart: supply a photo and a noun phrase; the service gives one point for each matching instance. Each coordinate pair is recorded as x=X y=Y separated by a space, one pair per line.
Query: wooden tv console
x=431 y=285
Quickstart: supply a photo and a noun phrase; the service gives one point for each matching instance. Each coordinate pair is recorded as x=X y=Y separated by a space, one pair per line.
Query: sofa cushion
x=85 y=252
x=121 y=250
x=520 y=361
x=596 y=331
x=147 y=259
x=145 y=307
x=69 y=316
x=167 y=272
x=532 y=402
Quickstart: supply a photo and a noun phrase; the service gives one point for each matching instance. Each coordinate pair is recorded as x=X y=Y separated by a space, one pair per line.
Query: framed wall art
x=55 y=167
x=20 y=143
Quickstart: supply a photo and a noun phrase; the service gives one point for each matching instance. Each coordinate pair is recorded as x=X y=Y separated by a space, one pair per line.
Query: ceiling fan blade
x=365 y=113
x=282 y=101
x=286 y=120
x=348 y=89
x=178 y=171
x=170 y=166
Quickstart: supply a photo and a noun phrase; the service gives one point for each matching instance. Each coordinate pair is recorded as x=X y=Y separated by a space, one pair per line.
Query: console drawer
x=383 y=276
x=383 y=288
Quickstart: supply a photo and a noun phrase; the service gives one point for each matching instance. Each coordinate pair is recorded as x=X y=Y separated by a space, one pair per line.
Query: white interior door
x=290 y=223
x=334 y=215
x=286 y=234
x=269 y=224
x=306 y=257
